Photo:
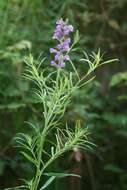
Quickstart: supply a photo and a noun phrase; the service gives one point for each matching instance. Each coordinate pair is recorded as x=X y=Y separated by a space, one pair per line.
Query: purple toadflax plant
x=54 y=92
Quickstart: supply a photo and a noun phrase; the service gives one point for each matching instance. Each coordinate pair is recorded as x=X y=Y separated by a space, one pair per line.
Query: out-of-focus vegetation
x=27 y=26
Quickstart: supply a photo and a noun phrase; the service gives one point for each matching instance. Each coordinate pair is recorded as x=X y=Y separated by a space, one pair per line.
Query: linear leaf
x=28 y=157
x=61 y=174
x=48 y=182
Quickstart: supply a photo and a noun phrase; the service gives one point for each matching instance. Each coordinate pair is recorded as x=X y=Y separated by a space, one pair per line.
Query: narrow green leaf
x=48 y=182
x=60 y=175
x=18 y=187
x=28 y=157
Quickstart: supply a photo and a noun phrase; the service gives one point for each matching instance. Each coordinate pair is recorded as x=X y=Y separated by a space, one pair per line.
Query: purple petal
x=62 y=64
x=67 y=29
x=60 y=22
x=57 y=57
x=53 y=63
x=60 y=46
x=67 y=41
x=71 y=28
x=59 y=27
x=66 y=47
x=52 y=50
x=66 y=57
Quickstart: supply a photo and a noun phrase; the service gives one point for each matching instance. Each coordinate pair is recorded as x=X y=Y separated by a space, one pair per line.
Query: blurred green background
x=27 y=26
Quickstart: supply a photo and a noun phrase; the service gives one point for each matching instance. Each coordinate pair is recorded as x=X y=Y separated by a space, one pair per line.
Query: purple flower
x=57 y=35
x=68 y=29
x=60 y=22
x=52 y=50
x=66 y=57
x=65 y=45
x=57 y=56
x=53 y=63
x=60 y=46
x=68 y=40
x=62 y=64
x=61 y=34
x=62 y=29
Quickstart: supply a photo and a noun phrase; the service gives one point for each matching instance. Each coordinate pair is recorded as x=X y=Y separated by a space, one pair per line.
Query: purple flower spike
x=61 y=34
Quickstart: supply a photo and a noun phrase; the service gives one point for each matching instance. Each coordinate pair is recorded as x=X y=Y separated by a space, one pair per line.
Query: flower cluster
x=61 y=34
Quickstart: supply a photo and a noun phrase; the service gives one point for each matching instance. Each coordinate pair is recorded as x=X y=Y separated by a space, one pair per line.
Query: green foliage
x=118 y=79
x=101 y=24
x=113 y=168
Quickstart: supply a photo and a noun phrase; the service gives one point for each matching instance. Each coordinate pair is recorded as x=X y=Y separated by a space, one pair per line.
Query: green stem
x=47 y=118
x=38 y=174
